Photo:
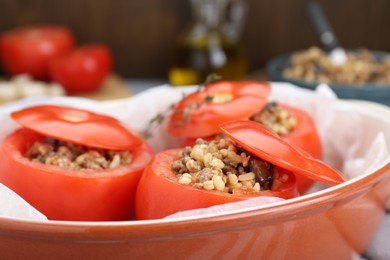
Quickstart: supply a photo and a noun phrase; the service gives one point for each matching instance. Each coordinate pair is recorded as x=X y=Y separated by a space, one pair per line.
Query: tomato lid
x=258 y=140
x=77 y=126
x=200 y=113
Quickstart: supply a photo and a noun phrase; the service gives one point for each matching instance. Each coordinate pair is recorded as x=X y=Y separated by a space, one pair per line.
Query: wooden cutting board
x=114 y=87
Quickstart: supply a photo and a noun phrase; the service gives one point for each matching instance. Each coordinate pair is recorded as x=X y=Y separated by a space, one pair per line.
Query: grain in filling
x=277 y=119
x=221 y=165
x=76 y=157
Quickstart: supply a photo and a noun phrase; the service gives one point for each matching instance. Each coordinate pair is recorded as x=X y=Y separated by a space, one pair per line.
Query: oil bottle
x=211 y=44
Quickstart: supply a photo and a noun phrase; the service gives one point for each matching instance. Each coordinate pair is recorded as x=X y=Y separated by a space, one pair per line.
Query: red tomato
x=304 y=136
x=200 y=113
x=159 y=194
x=30 y=49
x=84 y=69
x=257 y=139
x=202 y=121
x=64 y=194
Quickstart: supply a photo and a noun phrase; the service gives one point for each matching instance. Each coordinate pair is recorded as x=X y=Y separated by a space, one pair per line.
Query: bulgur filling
x=277 y=119
x=221 y=165
x=76 y=157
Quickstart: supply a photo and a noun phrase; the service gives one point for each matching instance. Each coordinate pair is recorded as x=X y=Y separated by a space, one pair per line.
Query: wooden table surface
x=116 y=87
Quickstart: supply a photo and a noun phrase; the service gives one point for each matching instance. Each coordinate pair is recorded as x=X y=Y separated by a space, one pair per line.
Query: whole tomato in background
x=30 y=49
x=84 y=69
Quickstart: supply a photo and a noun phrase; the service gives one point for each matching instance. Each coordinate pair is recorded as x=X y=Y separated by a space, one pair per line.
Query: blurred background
x=142 y=33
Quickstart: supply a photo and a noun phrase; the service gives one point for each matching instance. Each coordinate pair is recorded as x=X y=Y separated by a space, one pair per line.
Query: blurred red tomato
x=84 y=69
x=30 y=49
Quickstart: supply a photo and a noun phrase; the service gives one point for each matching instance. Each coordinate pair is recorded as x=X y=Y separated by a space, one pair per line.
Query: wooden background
x=141 y=33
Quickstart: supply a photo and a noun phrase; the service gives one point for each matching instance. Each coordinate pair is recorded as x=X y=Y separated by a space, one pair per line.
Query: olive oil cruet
x=211 y=44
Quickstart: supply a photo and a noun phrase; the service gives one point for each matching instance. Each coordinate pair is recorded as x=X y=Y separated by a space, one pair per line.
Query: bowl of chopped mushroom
x=364 y=75
x=233 y=195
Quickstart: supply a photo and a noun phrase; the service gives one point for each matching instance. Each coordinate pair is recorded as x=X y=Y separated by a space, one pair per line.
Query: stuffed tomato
x=169 y=186
x=73 y=164
x=200 y=113
x=249 y=161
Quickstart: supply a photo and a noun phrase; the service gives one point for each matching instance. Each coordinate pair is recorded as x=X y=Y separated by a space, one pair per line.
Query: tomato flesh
x=159 y=194
x=63 y=194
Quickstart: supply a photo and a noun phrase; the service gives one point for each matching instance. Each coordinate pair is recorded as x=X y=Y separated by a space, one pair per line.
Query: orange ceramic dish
x=322 y=225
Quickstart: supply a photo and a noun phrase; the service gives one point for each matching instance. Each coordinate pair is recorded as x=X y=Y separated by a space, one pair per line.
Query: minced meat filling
x=277 y=119
x=76 y=157
x=220 y=165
